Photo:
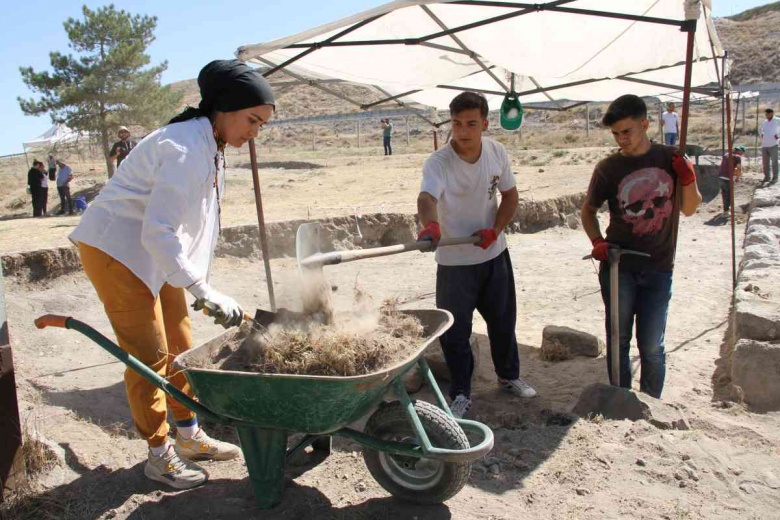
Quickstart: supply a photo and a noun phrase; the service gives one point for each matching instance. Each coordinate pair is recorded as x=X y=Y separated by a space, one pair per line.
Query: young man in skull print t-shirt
x=638 y=183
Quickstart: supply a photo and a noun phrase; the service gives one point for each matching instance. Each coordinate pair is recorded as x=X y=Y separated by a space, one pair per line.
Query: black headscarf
x=227 y=86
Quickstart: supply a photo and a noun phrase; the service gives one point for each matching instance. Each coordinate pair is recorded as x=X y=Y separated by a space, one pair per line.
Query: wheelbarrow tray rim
x=441 y=326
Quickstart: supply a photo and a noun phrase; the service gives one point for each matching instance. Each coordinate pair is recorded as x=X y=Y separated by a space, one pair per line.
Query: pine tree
x=108 y=83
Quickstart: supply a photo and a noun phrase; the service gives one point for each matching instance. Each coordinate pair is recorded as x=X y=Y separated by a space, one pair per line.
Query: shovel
x=316 y=292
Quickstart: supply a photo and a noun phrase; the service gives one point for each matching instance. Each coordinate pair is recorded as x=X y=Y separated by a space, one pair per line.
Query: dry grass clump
x=355 y=345
x=554 y=351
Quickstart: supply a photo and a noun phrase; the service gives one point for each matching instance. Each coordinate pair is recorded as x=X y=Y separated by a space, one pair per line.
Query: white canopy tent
x=580 y=50
x=59 y=134
x=424 y=51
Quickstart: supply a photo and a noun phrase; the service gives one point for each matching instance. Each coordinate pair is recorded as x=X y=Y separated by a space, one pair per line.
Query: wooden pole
x=11 y=465
x=755 y=146
x=587 y=120
x=435 y=139
x=407 y=131
x=358 y=132
x=683 y=129
x=261 y=224
x=730 y=139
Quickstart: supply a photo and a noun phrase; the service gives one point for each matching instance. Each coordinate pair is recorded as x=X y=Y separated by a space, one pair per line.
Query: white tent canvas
x=426 y=49
x=58 y=135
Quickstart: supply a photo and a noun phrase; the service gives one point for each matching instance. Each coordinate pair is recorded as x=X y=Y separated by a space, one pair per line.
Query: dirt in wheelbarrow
x=357 y=343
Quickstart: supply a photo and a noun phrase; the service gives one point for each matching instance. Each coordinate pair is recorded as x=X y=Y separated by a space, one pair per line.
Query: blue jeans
x=670 y=139
x=646 y=295
x=386 y=144
x=489 y=288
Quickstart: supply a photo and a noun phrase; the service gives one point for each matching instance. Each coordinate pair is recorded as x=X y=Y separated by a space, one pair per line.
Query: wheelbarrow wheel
x=418 y=480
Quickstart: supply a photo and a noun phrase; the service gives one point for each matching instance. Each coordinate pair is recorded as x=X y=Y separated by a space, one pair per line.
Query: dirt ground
x=304 y=185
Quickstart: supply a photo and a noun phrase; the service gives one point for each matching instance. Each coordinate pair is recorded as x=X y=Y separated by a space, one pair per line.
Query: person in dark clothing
x=723 y=175
x=123 y=147
x=34 y=185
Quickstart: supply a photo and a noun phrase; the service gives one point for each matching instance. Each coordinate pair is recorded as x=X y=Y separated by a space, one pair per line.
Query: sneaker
x=170 y=469
x=460 y=406
x=203 y=447
x=518 y=387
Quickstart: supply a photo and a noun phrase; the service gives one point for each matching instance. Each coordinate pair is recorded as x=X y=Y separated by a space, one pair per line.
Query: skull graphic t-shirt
x=640 y=195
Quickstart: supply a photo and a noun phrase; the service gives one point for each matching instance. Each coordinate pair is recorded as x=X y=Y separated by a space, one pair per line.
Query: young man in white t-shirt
x=459 y=197
x=671 y=125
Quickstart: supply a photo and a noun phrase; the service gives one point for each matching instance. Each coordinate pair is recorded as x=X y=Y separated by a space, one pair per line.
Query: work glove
x=431 y=232
x=487 y=236
x=684 y=169
x=600 y=249
x=225 y=310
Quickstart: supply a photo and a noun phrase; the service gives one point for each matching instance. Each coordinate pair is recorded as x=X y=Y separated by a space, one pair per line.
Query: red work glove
x=600 y=249
x=488 y=236
x=431 y=232
x=684 y=169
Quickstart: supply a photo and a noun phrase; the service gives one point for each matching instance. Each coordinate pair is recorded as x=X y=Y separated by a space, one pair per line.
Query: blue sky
x=189 y=35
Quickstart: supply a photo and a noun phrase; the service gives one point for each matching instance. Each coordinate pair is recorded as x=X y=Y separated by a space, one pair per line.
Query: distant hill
x=752 y=39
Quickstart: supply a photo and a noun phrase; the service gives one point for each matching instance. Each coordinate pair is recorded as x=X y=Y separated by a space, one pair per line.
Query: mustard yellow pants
x=154 y=330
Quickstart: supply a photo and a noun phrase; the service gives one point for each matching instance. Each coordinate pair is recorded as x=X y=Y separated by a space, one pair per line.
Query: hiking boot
x=460 y=405
x=203 y=447
x=170 y=469
x=518 y=387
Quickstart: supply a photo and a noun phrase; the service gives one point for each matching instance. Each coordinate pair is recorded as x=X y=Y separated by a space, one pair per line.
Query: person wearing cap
x=459 y=197
x=121 y=148
x=723 y=174
x=149 y=237
x=770 y=132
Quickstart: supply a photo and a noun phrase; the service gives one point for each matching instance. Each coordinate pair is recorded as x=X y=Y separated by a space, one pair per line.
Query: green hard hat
x=511 y=112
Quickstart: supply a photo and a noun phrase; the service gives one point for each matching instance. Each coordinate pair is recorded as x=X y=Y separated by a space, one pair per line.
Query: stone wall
x=340 y=233
x=753 y=350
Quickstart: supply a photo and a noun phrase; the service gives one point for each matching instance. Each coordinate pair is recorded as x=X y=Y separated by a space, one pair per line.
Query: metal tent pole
x=261 y=224
x=755 y=146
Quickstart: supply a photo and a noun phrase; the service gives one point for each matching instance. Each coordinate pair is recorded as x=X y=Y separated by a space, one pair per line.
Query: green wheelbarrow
x=416 y=451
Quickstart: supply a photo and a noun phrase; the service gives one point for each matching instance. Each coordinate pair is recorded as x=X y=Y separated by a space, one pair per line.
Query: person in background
x=723 y=175
x=460 y=186
x=64 y=176
x=150 y=235
x=770 y=132
x=43 y=195
x=121 y=148
x=387 y=136
x=671 y=125
x=52 y=163
x=639 y=183
x=34 y=187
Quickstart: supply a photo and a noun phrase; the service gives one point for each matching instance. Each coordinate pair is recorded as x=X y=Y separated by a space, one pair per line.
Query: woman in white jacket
x=151 y=234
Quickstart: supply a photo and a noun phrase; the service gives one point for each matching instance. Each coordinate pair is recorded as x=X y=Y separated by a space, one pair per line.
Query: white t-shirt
x=467 y=197
x=769 y=129
x=670 y=122
x=158 y=215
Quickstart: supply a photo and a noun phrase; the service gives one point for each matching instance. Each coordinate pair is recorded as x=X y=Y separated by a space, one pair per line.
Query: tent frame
x=519 y=9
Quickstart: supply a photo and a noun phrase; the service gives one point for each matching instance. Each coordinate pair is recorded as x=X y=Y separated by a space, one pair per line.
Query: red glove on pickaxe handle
x=684 y=169
x=600 y=249
x=431 y=232
x=488 y=236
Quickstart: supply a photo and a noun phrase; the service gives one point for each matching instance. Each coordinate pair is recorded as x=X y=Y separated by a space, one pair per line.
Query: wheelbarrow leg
x=265 y=451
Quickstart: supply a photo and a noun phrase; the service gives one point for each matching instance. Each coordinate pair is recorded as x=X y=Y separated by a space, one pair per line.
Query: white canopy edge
x=509 y=44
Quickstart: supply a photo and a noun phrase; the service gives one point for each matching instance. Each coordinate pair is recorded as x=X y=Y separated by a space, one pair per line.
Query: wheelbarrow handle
x=53 y=320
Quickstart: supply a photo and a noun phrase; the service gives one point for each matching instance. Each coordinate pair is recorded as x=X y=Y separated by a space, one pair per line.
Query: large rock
x=755 y=369
x=612 y=402
x=561 y=343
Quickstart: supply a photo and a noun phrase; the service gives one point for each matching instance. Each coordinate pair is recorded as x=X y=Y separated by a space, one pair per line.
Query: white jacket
x=159 y=214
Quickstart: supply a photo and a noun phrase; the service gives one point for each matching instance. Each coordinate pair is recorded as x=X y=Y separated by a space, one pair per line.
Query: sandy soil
x=310 y=186
x=545 y=464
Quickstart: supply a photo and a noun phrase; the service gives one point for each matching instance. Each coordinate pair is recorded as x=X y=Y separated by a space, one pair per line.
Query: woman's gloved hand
x=225 y=310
